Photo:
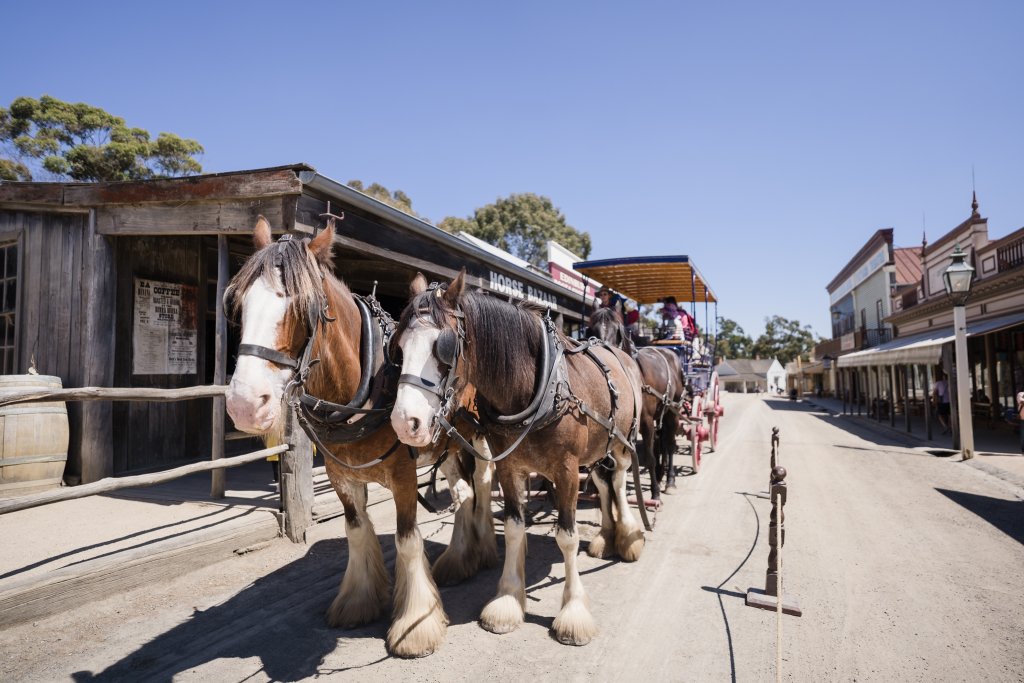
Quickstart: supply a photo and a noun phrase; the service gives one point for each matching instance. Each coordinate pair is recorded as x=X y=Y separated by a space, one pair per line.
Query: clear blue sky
x=767 y=140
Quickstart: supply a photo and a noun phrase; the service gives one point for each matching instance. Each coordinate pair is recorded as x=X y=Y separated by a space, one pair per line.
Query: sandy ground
x=908 y=567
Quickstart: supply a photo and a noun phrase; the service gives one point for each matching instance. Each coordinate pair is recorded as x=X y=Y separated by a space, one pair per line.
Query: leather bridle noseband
x=322 y=420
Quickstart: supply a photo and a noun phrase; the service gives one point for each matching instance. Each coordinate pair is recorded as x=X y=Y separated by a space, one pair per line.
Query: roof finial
x=974 y=204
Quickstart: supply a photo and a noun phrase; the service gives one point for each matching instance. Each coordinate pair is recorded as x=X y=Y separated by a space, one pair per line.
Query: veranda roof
x=649 y=279
x=923 y=348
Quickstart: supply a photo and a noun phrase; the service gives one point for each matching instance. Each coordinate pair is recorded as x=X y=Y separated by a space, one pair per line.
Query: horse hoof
x=503 y=614
x=574 y=625
x=631 y=545
x=599 y=547
x=412 y=637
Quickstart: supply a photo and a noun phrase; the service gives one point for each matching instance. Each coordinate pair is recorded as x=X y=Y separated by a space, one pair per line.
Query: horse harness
x=553 y=398
x=665 y=402
x=370 y=408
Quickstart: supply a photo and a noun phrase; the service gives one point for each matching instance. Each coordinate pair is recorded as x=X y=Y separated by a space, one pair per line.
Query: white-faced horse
x=308 y=341
x=548 y=406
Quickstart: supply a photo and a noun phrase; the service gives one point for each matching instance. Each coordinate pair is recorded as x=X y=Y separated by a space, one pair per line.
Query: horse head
x=607 y=324
x=430 y=338
x=279 y=293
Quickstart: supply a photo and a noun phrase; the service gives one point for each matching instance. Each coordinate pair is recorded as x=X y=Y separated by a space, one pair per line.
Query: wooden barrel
x=33 y=438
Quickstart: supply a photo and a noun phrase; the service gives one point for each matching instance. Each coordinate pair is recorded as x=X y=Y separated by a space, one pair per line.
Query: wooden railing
x=1010 y=255
x=296 y=464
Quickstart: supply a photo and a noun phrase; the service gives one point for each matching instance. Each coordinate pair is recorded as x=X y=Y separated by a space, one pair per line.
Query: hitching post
x=769 y=597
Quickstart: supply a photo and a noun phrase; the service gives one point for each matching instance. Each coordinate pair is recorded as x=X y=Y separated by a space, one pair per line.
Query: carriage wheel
x=714 y=400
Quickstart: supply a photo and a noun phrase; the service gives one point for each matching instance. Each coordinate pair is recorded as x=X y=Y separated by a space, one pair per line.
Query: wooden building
x=115 y=285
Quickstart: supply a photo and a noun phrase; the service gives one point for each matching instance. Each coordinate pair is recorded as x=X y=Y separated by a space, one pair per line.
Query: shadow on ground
x=280 y=617
x=1005 y=515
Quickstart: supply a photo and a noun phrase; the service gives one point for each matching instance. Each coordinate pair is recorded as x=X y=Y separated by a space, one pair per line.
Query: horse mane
x=300 y=276
x=502 y=339
x=605 y=315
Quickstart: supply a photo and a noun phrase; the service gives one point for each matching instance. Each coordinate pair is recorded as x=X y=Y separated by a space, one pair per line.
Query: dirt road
x=907 y=566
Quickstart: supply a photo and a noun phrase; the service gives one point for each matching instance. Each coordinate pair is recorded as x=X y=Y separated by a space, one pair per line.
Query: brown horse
x=662 y=400
x=548 y=406
x=308 y=341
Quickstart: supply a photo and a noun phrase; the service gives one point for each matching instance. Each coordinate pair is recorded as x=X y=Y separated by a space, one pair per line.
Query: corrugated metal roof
x=649 y=279
x=908 y=265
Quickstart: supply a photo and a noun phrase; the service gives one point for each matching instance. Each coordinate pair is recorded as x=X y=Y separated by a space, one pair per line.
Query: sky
x=766 y=140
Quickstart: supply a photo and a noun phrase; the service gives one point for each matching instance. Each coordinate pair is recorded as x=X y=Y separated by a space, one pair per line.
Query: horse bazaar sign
x=503 y=284
x=164 y=328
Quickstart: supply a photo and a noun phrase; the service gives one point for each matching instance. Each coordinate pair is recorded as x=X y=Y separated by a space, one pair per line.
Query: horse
x=547 y=406
x=662 y=399
x=309 y=341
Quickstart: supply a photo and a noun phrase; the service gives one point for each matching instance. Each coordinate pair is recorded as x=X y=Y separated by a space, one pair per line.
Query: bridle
x=322 y=420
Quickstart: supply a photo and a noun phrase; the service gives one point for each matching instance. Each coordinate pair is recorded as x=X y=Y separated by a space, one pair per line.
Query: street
x=907 y=567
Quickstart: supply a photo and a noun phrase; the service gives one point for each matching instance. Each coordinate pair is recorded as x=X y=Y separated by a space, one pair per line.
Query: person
x=671 y=321
x=631 y=320
x=609 y=299
x=941 y=395
x=1020 y=419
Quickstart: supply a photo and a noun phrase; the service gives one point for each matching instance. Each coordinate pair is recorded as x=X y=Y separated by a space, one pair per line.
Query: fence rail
x=115 y=483
x=296 y=471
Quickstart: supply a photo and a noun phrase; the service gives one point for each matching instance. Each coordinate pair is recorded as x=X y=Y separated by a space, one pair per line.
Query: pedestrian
x=1020 y=419
x=609 y=299
x=941 y=397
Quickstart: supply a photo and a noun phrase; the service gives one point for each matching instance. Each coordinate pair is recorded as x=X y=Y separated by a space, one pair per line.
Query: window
x=863 y=318
x=878 y=313
x=8 y=306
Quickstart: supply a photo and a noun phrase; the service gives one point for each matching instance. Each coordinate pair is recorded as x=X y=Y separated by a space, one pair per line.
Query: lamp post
x=958 y=278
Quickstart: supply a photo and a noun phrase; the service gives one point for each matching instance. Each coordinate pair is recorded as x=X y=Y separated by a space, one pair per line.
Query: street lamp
x=958 y=278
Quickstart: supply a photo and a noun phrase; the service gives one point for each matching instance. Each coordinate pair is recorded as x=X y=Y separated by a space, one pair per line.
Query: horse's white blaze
x=415 y=407
x=257 y=386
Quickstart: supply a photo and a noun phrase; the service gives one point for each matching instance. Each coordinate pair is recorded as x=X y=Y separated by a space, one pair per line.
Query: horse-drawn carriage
x=654 y=280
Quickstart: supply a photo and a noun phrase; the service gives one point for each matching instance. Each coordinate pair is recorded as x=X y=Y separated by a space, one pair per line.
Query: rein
x=324 y=420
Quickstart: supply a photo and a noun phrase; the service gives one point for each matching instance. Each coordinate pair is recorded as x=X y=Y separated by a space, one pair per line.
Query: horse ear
x=454 y=291
x=322 y=245
x=418 y=285
x=261 y=233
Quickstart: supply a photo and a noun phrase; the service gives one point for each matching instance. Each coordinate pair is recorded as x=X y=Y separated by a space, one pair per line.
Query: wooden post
x=892 y=395
x=98 y=262
x=220 y=367
x=954 y=393
x=927 y=401
x=769 y=597
x=297 y=481
x=904 y=370
x=991 y=387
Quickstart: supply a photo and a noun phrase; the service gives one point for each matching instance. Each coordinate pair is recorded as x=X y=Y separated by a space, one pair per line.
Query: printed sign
x=510 y=286
x=164 y=330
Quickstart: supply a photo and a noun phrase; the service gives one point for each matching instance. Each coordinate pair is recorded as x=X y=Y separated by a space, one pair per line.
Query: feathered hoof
x=574 y=625
x=451 y=568
x=352 y=611
x=420 y=636
x=630 y=546
x=503 y=614
x=600 y=547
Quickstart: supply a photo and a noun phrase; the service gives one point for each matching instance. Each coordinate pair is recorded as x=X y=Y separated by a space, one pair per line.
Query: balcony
x=869 y=337
x=1010 y=256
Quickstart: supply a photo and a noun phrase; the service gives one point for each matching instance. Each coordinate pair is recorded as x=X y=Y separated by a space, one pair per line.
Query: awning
x=649 y=279
x=923 y=348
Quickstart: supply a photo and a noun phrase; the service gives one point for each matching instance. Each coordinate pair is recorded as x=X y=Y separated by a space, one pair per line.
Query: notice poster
x=164 y=330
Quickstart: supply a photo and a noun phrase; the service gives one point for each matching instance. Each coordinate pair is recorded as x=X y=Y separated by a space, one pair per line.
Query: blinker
x=446 y=347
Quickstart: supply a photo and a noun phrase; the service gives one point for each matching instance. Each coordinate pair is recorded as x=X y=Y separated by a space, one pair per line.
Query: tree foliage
x=522 y=224
x=783 y=339
x=80 y=142
x=397 y=199
x=732 y=341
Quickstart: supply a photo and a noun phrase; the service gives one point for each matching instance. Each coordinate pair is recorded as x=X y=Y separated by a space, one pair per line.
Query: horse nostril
x=415 y=423
x=264 y=399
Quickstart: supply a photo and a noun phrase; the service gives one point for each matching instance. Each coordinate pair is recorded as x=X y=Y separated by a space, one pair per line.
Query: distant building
x=897 y=376
x=746 y=375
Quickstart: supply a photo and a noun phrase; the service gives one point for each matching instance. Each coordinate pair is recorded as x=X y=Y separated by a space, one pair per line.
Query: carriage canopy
x=649 y=279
